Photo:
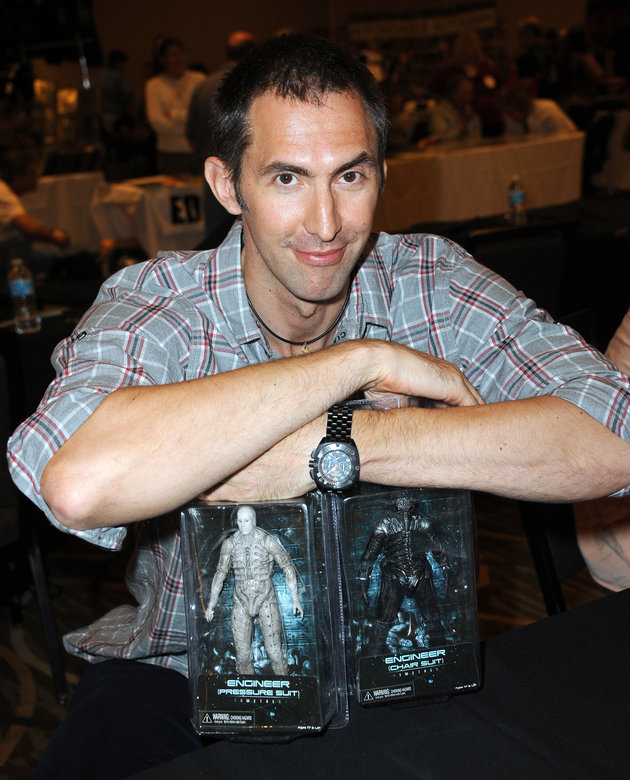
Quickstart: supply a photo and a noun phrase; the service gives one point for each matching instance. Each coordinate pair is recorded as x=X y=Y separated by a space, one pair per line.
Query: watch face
x=336 y=465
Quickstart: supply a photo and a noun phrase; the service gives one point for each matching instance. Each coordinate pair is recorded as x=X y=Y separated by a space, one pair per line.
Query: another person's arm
x=33 y=229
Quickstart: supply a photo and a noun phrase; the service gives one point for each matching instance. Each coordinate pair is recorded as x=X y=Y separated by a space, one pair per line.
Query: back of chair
x=550 y=531
x=532 y=259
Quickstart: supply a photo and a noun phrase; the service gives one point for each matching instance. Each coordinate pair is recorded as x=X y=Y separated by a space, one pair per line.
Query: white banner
x=423 y=27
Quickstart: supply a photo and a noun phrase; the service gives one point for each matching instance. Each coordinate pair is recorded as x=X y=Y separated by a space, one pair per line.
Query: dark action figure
x=405 y=541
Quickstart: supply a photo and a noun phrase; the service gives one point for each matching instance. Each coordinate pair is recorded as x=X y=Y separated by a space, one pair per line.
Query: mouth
x=329 y=257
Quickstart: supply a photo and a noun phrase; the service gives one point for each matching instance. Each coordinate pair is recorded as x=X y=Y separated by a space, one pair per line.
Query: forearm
x=541 y=448
x=147 y=450
x=34 y=229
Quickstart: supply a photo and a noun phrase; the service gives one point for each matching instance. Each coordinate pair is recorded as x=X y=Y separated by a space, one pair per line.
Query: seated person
x=213 y=374
x=19 y=173
x=604 y=532
x=453 y=118
x=525 y=114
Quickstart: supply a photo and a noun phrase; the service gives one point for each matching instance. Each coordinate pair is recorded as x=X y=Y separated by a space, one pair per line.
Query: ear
x=219 y=179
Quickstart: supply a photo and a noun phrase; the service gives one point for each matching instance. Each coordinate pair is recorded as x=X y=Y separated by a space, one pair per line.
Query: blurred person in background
x=239 y=44
x=453 y=118
x=19 y=174
x=167 y=99
x=542 y=116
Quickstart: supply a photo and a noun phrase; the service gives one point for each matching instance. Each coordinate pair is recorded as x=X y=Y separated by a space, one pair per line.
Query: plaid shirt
x=185 y=315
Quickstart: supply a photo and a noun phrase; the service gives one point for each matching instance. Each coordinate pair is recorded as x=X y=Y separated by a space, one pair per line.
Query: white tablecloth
x=445 y=184
x=157 y=213
x=64 y=201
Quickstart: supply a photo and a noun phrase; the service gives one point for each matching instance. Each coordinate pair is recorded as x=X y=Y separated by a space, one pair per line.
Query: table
x=64 y=201
x=460 y=182
x=156 y=212
x=554 y=705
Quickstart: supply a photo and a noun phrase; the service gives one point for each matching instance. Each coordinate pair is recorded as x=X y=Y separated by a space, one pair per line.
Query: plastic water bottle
x=516 y=201
x=22 y=290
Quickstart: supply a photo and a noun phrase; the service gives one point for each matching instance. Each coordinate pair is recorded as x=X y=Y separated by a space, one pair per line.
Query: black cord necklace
x=304 y=344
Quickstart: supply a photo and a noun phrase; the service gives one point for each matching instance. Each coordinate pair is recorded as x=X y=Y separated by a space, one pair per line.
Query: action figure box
x=263 y=614
x=410 y=572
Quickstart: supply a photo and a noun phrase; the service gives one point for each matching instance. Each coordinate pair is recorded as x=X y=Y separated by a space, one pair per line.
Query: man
x=453 y=118
x=190 y=376
x=252 y=553
x=239 y=44
x=19 y=174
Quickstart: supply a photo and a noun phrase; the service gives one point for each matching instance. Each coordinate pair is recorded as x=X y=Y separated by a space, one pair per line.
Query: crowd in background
x=465 y=88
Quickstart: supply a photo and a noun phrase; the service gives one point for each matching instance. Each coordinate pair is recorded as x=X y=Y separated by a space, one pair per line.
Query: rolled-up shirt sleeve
x=111 y=347
x=510 y=350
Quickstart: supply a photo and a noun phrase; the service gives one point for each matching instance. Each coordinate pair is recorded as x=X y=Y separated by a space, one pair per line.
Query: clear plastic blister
x=263 y=623
x=409 y=565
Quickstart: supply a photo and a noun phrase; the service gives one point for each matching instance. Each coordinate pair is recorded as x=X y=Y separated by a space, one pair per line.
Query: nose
x=322 y=218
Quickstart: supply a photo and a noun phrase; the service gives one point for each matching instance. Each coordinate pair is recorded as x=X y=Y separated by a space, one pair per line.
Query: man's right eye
x=286 y=178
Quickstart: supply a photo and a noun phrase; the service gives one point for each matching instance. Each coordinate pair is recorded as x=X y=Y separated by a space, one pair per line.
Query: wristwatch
x=334 y=464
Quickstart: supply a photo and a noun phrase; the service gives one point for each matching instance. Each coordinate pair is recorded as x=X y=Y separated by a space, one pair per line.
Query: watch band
x=339 y=423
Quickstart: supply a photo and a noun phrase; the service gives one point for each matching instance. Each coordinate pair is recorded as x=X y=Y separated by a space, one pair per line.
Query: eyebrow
x=364 y=158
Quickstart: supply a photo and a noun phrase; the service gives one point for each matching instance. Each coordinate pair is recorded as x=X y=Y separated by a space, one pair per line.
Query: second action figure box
x=263 y=618
x=410 y=572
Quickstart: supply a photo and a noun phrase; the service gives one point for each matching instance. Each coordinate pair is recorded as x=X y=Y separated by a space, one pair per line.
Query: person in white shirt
x=167 y=99
x=19 y=174
x=525 y=114
x=453 y=118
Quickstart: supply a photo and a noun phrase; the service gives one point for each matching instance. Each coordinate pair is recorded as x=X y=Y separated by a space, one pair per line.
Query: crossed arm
x=247 y=434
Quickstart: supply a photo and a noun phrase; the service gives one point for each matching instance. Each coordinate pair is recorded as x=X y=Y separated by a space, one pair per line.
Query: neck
x=312 y=329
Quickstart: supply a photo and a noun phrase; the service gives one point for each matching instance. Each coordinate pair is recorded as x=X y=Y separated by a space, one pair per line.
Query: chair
x=550 y=528
x=550 y=532
x=531 y=257
x=19 y=524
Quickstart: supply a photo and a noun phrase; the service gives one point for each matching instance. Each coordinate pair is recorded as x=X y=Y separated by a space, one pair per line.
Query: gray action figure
x=251 y=553
x=405 y=541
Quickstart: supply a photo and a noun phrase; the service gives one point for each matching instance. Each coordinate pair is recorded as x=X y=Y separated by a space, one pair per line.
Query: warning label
x=379 y=694
x=227 y=719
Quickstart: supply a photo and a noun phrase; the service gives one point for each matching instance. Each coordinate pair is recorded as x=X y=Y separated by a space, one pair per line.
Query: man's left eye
x=350 y=177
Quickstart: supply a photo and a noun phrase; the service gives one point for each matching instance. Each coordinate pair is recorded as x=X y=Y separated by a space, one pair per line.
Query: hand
x=406 y=371
x=59 y=237
x=209 y=614
x=298 y=610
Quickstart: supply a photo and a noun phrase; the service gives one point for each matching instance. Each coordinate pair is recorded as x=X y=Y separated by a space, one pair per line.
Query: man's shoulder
x=396 y=248
x=169 y=272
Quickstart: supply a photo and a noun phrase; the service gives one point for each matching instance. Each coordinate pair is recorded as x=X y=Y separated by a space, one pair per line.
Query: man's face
x=174 y=61
x=309 y=184
x=246 y=520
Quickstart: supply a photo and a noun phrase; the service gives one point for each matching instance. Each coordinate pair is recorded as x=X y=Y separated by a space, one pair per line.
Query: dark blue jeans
x=124 y=717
